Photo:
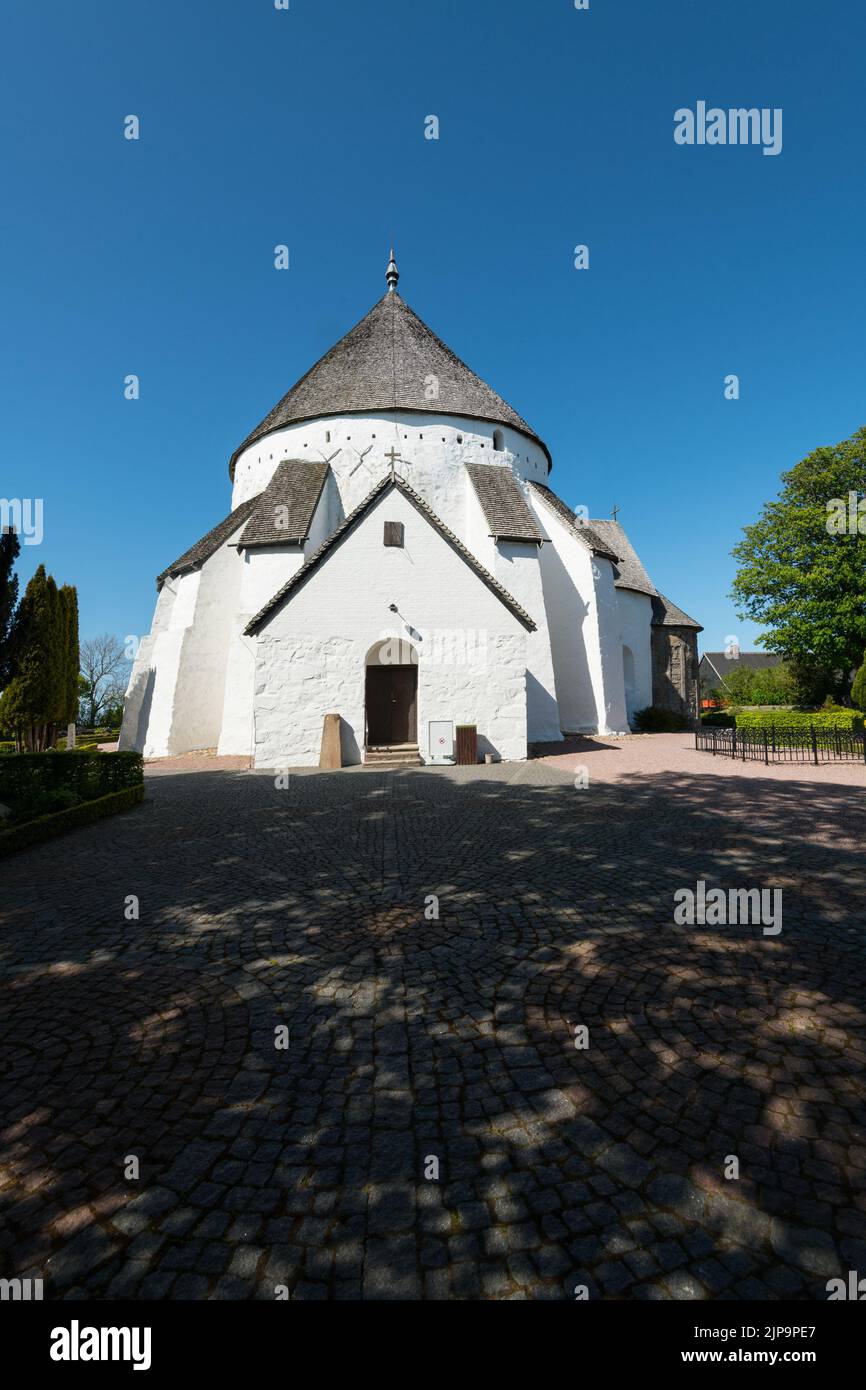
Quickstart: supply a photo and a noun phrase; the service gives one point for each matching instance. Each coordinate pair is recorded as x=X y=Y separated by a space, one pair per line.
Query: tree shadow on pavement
x=431 y=1129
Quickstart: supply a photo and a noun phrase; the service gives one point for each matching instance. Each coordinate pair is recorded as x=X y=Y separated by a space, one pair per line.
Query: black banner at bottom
x=163 y=1340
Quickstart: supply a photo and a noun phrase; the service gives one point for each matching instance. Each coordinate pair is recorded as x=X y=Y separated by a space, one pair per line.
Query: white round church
x=394 y=554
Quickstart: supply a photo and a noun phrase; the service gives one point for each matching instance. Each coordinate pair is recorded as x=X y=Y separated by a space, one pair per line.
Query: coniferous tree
x=10 y=547
x=69 y=710
x=30 y=704
x=57 y=648
x=43 y=693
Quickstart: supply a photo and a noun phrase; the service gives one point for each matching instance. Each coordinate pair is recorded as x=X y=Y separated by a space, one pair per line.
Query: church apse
x=675 y=670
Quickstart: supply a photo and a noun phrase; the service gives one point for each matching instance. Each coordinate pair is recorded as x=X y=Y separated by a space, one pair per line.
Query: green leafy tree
x=814 y=683
x=10 y=548
x=112 y=715
x=804 y=580
x=858 y=689
x=771 y=685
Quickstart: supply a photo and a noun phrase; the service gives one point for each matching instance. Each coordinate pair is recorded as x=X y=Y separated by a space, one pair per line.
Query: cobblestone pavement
x=413 y=1040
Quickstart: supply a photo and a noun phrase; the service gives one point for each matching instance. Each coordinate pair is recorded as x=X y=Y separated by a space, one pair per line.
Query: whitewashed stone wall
x=634 y=624
x=517 y=566
x=518 y=569
x=311 y=655
x=147 y=713
x=581 y=606
x=265 y=570
x=476 y=531
x=138 y=702
x=199 y=682
x=200 y=689
x=436 y=449
x=609 y=689
x=176 y=692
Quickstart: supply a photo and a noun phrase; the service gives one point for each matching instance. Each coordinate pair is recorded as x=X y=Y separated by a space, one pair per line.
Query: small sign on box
x=441 y=736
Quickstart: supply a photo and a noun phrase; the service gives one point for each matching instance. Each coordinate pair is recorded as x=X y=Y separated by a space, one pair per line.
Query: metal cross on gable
x=393 y=456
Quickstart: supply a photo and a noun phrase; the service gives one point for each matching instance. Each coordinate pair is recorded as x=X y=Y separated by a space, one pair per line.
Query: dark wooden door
x=391 y=702
x=403 y=687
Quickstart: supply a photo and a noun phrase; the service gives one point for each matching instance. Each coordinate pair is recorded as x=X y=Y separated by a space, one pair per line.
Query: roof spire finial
x=392 y=274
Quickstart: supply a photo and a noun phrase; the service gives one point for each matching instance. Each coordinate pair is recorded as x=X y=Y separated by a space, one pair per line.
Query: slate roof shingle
x=208 y=545
x=302 y=575
x=286 y=507
x=503 y=504
x=667 y=614
x=385 y=363
x=631 y=573
x=582 y=529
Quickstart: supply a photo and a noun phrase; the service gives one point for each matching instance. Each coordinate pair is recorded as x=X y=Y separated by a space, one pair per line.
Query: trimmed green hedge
x=798 y=720
x=89 y=739
x=25 y=777
x=34 y=831
x=718 y=719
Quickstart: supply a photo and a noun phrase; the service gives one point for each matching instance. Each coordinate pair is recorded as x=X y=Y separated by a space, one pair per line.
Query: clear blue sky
x=306 y=127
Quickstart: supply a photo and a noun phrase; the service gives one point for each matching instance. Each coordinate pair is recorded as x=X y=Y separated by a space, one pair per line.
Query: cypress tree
x=17 y=693
x=70 y=712
x=58 y=647
x=10 y=547
x=30 y=703
x=43 y=693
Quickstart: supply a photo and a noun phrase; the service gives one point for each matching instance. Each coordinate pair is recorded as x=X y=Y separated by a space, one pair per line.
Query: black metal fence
x=806 y=745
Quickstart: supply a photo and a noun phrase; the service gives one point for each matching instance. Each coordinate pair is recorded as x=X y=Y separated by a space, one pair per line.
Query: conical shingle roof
x=385 y=363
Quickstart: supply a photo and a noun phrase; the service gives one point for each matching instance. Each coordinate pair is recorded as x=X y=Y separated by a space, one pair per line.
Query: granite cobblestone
x=415 y=1038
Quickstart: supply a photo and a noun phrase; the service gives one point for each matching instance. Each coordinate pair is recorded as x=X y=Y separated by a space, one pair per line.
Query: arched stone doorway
x=391 y=695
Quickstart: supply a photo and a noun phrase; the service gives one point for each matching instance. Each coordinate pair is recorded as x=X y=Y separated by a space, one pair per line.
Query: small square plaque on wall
x=394 y=533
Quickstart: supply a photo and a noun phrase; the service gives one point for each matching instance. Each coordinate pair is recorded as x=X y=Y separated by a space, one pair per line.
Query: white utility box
x=441 y=740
